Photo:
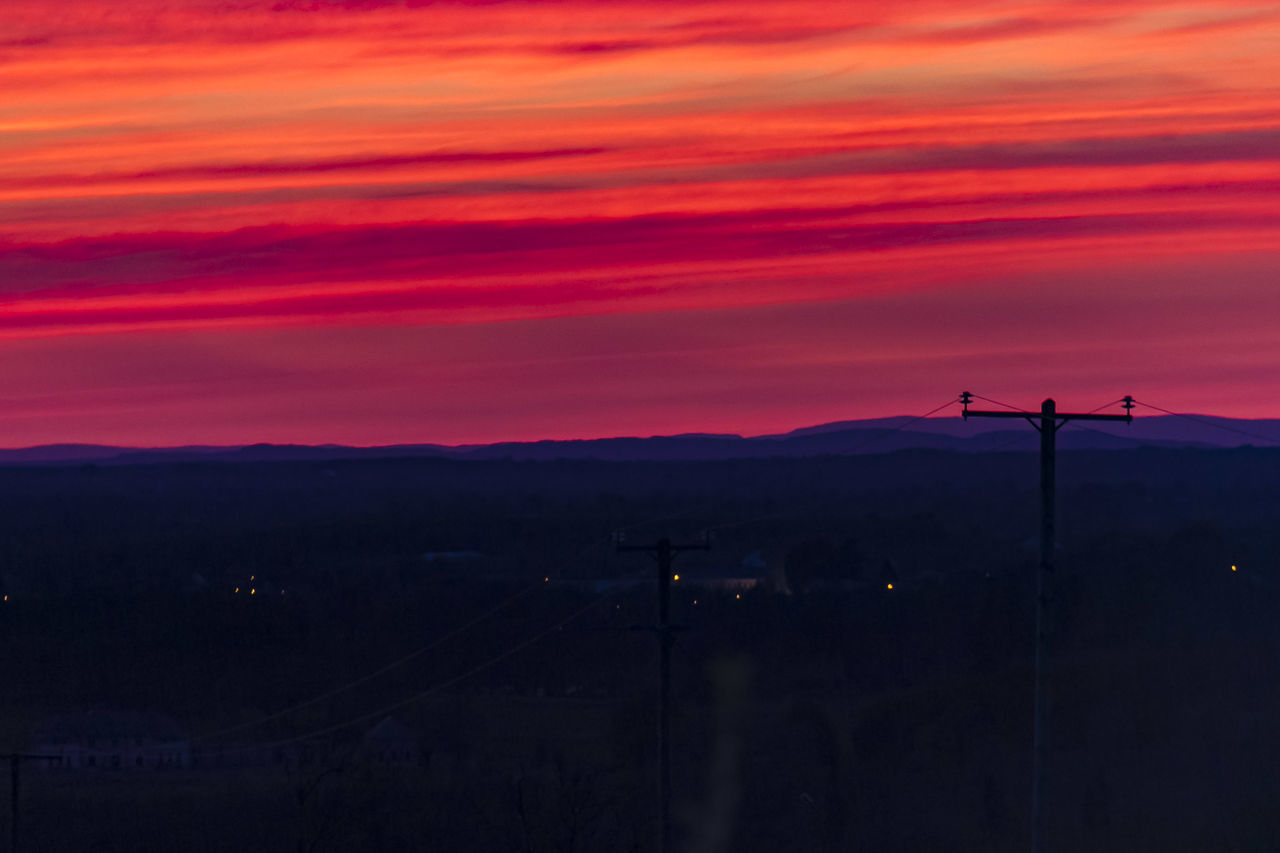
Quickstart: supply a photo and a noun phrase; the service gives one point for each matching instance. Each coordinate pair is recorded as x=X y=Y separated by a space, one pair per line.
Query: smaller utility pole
x=664 y=554
x=15 y=760
x=1049 y=420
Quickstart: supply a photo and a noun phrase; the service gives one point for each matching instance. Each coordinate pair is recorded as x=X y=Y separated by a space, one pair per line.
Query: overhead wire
x=421 y=695
x=900 y=427
x=998 y=403
x=792 y=512
x=845 y=452
x=1107 y=406
x=809 y=506
x=1020 y=439
x=364 y=679
x=1210 y=423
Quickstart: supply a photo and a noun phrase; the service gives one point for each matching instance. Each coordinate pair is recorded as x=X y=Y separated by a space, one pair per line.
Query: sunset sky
x=369 y=222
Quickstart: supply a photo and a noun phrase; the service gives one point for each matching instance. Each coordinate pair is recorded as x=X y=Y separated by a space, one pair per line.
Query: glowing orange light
x=546 y=580
x=676 y=578
x=253 y=592
x=6 y=598
x=237 y=590
x=252 y=577
x=888 y=586
x=739 y=595
x=1233 y=568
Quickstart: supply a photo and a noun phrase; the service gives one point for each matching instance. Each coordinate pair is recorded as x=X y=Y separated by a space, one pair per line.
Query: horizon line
x=852 y=422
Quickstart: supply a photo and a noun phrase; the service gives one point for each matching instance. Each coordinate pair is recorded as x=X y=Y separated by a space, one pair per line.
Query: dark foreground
x=815 y=708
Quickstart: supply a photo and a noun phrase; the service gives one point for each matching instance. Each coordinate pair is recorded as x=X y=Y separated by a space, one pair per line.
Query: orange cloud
x=224 y=171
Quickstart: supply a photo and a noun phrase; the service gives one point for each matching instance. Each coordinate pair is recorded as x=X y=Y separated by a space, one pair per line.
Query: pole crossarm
x=1053 y=420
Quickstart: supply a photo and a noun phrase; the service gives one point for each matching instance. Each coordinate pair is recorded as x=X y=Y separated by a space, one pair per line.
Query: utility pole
x=1048 y=421
x=15 y=760
x=664 y=554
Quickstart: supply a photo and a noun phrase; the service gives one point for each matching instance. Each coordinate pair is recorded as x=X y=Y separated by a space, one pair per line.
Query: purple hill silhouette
x=879 y=435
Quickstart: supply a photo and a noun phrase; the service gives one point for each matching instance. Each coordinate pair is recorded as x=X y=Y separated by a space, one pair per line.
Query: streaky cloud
x=452 y=252
x=337 y=164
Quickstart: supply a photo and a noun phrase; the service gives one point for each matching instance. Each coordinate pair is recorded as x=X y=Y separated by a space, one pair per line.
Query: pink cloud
x=216 y=206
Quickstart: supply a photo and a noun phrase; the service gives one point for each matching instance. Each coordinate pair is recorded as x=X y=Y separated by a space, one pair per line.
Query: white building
x=112 y=740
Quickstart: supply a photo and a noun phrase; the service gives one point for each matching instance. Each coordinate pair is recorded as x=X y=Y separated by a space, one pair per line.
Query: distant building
x=112 y=740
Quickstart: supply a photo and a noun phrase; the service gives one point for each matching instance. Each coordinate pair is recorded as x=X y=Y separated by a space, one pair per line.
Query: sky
x=396 y=221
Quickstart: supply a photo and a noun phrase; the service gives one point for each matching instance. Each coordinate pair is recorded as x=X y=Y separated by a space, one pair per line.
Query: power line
x=1107 y=406
x=370 y=676
x=1016 y=439
x=1206 y=421
x=790 y=513
x=994 y=402
x=417 y=697
x=693 y=508
x=1215 y=424
x=900 y=427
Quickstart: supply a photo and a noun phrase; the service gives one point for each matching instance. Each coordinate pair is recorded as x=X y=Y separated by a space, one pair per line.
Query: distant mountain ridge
x=877 y=435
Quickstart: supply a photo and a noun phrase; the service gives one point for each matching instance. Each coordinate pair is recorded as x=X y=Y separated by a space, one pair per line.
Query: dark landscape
x=846 y=437
x=853 y=669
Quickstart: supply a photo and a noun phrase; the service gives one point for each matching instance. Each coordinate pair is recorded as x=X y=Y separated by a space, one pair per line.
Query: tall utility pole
x=1048 y=421
x=15 y=760
x=664 y=554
